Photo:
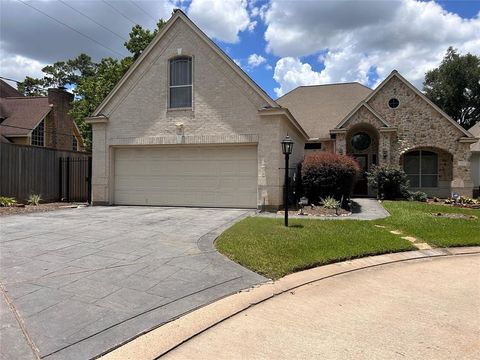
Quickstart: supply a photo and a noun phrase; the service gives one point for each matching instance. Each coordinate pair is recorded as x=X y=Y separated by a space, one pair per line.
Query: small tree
x=328 y=175
x=389 y=181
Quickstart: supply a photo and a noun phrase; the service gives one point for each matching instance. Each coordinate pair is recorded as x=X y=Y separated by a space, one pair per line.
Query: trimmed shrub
x=327 y=174
x=390 y=182
x=417 y=196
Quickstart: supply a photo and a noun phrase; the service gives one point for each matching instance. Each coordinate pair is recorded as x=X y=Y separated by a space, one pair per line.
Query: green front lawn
x=265 y=246
x=415 y=219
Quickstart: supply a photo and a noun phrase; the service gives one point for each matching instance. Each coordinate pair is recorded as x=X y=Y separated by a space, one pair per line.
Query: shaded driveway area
x=76 y=283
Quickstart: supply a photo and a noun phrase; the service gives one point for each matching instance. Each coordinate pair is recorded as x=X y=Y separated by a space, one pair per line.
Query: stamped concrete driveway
x=78 y=282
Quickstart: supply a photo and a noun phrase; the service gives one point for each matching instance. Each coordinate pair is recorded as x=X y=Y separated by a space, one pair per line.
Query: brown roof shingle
x=21 y=114
x=319 y=108
x=6 y=90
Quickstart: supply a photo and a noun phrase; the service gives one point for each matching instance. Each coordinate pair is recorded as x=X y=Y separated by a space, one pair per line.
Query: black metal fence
x=26 y=170
x=74 y=178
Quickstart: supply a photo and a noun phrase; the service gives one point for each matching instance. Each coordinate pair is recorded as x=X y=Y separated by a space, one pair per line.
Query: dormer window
x=180 y=82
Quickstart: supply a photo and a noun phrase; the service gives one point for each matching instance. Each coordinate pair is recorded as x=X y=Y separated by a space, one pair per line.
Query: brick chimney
x=60 y=123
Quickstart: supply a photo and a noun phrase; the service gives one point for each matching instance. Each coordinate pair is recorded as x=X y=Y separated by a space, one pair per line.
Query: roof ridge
x=25 y=97
x=339 y=83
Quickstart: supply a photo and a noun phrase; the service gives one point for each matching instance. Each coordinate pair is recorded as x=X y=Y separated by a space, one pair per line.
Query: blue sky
x=254 y=42
x=289 y=42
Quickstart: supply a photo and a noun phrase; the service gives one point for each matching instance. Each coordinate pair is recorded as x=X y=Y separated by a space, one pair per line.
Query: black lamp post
x=287 y=147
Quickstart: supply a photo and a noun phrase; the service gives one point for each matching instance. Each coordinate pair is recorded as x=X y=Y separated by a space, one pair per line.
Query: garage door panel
x=187 y=176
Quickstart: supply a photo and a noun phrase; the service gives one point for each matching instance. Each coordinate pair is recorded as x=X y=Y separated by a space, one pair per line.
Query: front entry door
x=361 y=186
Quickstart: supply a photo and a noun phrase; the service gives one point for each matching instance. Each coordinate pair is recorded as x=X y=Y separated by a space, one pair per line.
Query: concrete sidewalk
x=427 y=309
x=387 y=306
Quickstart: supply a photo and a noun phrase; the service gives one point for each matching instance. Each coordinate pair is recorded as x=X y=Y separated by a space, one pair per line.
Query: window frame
x=420 y=173
x=391 y=107
x=74 y=143
x=35 y=137
x=313 y=146
x=169 y=86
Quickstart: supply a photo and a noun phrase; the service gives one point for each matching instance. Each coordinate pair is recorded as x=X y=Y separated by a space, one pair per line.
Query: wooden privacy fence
x=57 y=175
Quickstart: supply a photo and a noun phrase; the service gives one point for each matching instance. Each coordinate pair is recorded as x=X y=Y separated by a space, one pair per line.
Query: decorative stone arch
x=423 y=163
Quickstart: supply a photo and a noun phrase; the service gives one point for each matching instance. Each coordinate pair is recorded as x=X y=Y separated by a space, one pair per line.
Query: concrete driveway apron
x=77 y=283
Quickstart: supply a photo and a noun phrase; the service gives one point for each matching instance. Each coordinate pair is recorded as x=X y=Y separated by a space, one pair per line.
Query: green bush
x=417 y=196
x=6 y=201
x=390 y=182
x=327 y=174
x=34 y=199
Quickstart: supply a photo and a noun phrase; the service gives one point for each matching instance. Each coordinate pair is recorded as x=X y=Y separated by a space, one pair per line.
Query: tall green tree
x=91 y=82
x=91 y=90
x=140 y=38
x=455 y=87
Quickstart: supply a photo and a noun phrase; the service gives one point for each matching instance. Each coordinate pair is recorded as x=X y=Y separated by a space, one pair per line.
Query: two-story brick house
x=38 y=120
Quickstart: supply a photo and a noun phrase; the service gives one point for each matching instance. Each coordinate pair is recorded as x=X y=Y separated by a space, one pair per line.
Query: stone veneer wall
x=421 y=126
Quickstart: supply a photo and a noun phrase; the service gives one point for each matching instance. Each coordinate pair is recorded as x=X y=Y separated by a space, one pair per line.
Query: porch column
x=385 y=156
x=462 y=183
x=100 y=159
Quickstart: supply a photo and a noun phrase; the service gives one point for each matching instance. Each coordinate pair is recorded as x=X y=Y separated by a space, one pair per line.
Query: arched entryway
x=429 y=170
x=362 y=145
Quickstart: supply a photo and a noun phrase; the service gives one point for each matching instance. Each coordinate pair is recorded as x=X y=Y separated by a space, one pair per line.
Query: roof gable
x=396 y=74
x=6 y=90
x=22 y=114
x=178 y=15
x=362 y=105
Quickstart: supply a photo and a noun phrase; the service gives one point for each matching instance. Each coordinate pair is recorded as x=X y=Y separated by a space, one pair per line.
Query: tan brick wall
x=225 y=110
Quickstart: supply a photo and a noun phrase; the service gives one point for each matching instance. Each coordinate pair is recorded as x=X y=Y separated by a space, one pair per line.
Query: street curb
x=161 y=340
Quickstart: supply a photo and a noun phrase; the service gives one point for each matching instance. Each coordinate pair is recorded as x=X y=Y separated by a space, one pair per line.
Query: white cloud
x=291 y=72
x=407 y=35
x=259 y=11
x=255 y=60
x=252 y=25
x=222 y=20
x=16 y=67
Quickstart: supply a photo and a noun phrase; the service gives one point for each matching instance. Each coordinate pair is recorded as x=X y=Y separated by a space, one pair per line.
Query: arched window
x=180 y=82
x=422 y=168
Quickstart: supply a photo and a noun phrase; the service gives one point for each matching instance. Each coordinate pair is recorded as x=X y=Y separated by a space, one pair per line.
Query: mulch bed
x=27 y=209
x=465 y=206
x=317 y=211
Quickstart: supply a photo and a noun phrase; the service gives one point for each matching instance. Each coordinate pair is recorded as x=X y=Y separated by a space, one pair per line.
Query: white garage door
x=221 y=176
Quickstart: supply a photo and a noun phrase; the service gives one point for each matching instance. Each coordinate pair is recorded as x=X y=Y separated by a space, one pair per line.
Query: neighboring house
x=38 y=120
x=186 y=126
x=475 y=160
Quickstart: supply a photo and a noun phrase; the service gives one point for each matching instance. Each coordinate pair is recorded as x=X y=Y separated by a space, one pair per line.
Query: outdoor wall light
x=287 y=148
